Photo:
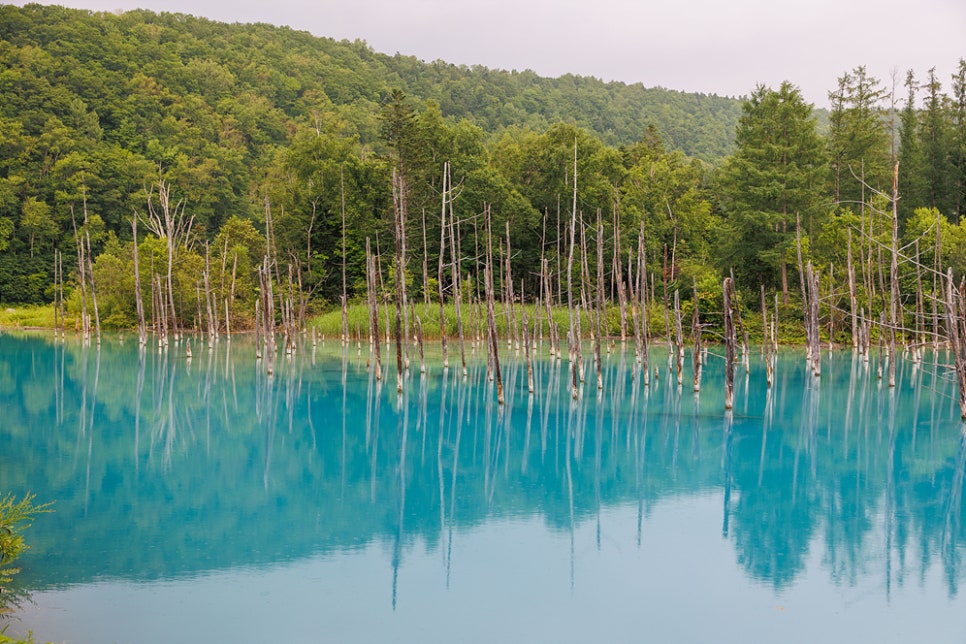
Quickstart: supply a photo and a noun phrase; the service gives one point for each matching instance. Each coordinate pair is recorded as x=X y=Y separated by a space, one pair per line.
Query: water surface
x=204 y=500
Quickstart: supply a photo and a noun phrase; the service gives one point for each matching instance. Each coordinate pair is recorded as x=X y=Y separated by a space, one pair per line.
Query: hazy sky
x=707 y=46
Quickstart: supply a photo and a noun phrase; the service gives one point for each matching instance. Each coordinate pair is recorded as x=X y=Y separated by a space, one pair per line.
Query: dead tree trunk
x=642 y=306
x=258 y=328
x=454 y=249
x=82 y=278
x=439 y=271
x=600 y=301
x=527 y=340
x=809 y=342
x=490 y=314
x=955 y=318
x=511 y=300
x=398 y=198
x=374 y=338
x=894 y=313
x=419 y=341
x=574 y=331
x=619 y=277
x=345 y=292
x=766 y=346
x=139 y=304
x=696 y=334
x=853 y=299
x=730 y=342
x=212 y=331
x=678 y=339
x=815 y=349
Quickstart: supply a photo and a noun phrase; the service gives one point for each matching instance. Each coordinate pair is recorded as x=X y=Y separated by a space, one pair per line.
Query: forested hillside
x=270 y=141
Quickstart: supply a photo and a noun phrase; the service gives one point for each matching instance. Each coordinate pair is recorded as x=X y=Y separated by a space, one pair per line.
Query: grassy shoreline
x=329 y=323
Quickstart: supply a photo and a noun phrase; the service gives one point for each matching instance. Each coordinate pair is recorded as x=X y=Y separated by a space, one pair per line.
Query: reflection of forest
x=162 y=467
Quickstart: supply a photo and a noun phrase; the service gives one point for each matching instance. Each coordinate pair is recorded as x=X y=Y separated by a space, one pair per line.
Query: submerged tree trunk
x=730 y=342
x=139 y=304
x=439 y=272
x=766 y=345
x=374 y=338
x=573 y=338
x=696 y=333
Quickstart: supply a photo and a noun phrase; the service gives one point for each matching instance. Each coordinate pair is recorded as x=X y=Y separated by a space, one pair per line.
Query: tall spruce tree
x=911 y=185
x=935 y=139
x=959 y=151
x=858 y=141
x=775 y=175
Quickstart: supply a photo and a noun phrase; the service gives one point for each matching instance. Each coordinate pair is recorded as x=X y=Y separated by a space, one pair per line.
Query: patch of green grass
x=329 y=323
x=27 y=316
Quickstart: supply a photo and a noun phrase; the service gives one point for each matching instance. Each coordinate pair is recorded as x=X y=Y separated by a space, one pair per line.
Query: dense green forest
x=107 y=117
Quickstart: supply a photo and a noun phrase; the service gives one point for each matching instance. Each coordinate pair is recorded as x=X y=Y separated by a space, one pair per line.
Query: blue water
x=202 y=500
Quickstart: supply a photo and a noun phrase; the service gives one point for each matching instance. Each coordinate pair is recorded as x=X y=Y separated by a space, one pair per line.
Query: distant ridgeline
x=283 y=75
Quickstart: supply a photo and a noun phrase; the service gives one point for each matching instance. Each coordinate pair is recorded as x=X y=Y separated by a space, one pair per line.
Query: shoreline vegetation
x=151 y=180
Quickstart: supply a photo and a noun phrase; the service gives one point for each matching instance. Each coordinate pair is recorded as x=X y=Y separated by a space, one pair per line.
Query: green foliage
x=15 y=517
x=770 y=181
x=858 y=142
x=6 y=639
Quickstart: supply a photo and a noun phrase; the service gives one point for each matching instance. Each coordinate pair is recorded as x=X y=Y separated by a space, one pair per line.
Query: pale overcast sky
x=707 y=46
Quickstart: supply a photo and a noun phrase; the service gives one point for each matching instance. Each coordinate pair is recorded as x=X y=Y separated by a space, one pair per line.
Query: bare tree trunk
x=212 y=331
x=258 y=328
x=63 y=321
x=419 y=341
x=742 y=329
x=642 y=305
x=730 y=341
x=954 y=320
x=696 y=334
x=574 y=332
x=809 y=341
x=634 y=286
x=345 y=292
x=454 y=248
x=678 y=339
x=439 y=272
x=936 y=281
x=90 y=271
x=398 y=194
x=600 y=301
x=853 y=299
x=832 y=308
x=548 y=302
x=527 y=339
x=619 y=277
x=920 y=310
x=514 y=330
x=139 y=304
x=766 y=346
x=81 y=277
x=667 y=316
x=894 y=318
x=490 y=315
x=231 y=296
x=373 y=309
x=815 y=351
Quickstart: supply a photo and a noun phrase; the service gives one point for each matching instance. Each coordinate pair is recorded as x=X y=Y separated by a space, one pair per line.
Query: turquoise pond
x=204 y=501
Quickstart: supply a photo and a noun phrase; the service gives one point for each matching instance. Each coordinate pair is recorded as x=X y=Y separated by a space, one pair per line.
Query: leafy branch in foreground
x=15 y=517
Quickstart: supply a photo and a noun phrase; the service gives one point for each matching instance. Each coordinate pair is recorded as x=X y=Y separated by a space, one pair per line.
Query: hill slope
x=54 y=56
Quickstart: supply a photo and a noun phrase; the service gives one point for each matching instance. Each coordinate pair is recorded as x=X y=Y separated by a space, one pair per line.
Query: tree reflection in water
x=320 y=457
